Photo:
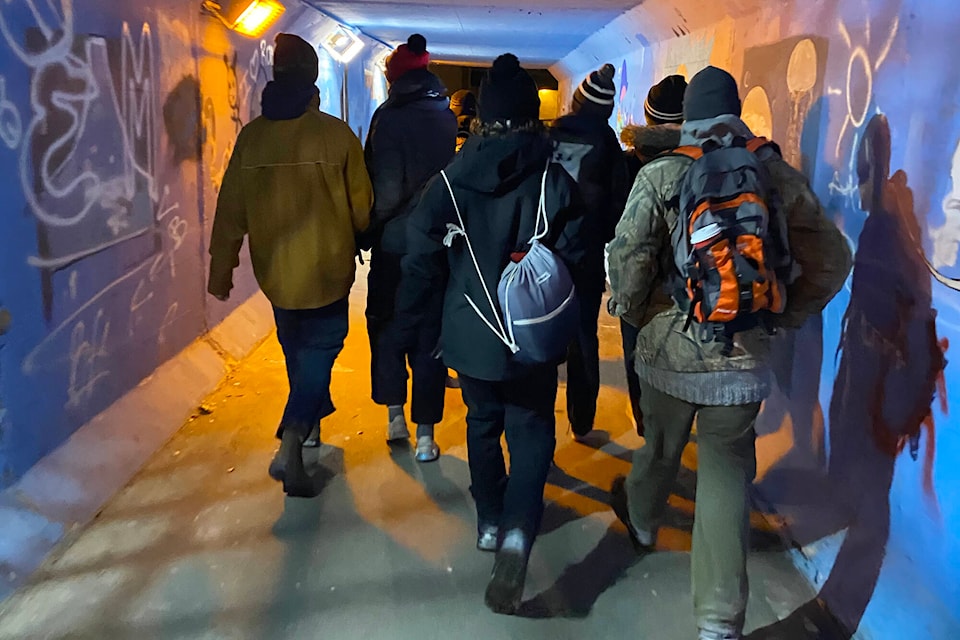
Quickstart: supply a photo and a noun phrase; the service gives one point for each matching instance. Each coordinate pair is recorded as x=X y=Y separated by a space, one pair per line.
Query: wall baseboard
x=67 y=488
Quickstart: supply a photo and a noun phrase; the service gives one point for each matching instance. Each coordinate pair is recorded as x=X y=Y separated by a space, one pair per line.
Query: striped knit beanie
x=596 y=93
x=664 y=104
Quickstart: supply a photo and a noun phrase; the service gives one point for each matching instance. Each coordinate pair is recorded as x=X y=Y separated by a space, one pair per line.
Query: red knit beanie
x=407 y=57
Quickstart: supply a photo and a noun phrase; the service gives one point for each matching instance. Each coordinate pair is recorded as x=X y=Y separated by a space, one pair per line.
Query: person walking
x=692 y=366
x=297 y=185
x=412 y=137
x=588 y=148
x=463 y=103
x=663 y=110
x=474 y=221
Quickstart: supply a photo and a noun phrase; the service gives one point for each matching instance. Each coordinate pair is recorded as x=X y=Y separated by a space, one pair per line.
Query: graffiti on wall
x=108 y=225
x=783 y=79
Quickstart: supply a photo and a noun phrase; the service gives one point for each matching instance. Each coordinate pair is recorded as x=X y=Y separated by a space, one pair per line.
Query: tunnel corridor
x=137 y=412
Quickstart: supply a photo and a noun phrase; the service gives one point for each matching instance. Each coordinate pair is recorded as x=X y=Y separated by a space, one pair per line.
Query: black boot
x=287 y=466
x=505 y=590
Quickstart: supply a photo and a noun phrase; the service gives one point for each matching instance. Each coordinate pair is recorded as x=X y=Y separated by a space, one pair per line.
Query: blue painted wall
x=116 y=123
x=841 y=84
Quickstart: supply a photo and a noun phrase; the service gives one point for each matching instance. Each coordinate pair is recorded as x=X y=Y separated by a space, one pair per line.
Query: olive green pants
x=727 y=463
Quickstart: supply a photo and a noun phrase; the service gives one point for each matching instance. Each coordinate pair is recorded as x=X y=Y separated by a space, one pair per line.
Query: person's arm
x=635 y=251
x=424 y=268
x=359 y=188
x=229 y=227
x=386 y=164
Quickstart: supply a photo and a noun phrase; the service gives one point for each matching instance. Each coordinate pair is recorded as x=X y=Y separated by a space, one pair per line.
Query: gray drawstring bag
x=536 y=294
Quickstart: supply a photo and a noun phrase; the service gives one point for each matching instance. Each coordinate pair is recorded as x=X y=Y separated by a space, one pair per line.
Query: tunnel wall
x=877 y=524
x=117 y=121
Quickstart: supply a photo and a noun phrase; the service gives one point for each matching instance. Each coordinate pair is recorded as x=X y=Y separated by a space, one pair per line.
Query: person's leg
x=727 y=463
x=583 y=365
x=312 y=341
x=429 y=382
x=668 y=423
x=629 y=334
x=488 y=475
x=388 y=365
x=530 y=427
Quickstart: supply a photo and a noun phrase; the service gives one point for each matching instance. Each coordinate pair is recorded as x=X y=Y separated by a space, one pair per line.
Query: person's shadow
x=889 y=363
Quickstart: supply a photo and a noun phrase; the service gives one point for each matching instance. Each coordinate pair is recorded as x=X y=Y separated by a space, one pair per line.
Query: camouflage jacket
x=641 y=271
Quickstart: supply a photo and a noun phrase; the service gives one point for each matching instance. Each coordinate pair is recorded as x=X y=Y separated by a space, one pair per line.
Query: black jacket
x=589 y=149
x=497 y=185
x=413 y=135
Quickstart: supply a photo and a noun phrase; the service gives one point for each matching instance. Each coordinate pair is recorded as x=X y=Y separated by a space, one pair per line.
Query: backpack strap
x=687 y=151
x=453 y=231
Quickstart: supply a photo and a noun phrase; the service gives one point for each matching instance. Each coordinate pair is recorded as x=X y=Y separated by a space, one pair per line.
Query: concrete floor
x=202 y=544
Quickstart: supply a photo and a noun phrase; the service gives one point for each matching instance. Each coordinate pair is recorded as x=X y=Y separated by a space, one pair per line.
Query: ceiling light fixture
x=249 y=18
x=342 y=43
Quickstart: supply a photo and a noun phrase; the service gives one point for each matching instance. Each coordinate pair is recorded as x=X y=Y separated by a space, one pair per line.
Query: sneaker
x=313 y=440
x=427 y=449
x=488 y=537
x=618 y=500
x=397 y=429
x=505 y=590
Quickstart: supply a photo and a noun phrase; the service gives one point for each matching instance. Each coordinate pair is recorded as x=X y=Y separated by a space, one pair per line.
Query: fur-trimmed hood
x=656 y=138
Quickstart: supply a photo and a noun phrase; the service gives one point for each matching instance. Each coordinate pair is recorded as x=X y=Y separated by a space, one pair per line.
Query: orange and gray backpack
x=730 y=241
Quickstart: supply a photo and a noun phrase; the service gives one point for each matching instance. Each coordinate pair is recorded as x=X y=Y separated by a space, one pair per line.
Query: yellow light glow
x=257 y=17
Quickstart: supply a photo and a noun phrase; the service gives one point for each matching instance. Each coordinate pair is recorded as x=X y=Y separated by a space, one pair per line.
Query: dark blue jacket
x=413 y=135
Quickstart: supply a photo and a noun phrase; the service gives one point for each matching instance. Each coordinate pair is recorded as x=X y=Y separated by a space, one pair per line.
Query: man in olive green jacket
x=296 y=185
x=684 y=378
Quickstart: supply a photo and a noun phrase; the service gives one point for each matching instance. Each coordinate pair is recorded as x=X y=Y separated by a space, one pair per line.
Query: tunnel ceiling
x=540 y=32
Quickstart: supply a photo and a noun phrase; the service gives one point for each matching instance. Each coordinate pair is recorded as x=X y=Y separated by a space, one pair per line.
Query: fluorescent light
x=258 y=17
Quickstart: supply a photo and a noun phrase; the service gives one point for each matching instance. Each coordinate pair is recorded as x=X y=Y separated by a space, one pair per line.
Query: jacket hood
x=651 y=140
x=287 y=100
x=497 y=164
x=416 y=85
x=722 y=130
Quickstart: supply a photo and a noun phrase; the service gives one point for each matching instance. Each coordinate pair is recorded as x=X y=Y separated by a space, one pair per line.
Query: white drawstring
x=505 y=334
x=452 y=232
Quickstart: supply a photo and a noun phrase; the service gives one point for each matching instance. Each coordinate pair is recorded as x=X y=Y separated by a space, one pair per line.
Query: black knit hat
x=508 y=92
x=712 y=93
x=664 y=103
x=596 y=93
x=295 y=59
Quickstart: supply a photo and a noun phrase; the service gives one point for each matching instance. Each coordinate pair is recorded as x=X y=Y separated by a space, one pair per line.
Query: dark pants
x=389 y=358
x=583 y=364
x=311 y=340
x=727 y=463
x=523 y=408
x=629 y=333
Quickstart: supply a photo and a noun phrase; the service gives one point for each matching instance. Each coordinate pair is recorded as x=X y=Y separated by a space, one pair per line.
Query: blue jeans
x=311 y=340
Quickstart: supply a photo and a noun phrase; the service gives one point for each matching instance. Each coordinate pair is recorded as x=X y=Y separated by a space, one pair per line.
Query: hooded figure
x=297 y=185
x=683 y=378
x=412 y=136
x=588 y=149
x=496 y=181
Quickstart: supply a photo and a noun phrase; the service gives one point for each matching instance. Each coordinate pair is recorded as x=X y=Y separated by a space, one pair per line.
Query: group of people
x=445 y=195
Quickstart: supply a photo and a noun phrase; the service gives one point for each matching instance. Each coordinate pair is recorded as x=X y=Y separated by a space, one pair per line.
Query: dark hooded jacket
x=588 y=149
x=496 y=181
x=413 y=135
